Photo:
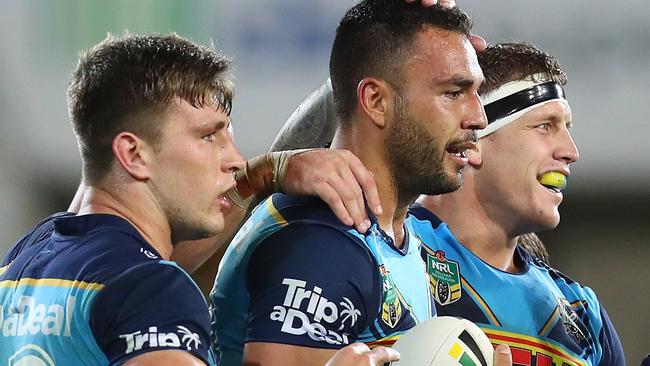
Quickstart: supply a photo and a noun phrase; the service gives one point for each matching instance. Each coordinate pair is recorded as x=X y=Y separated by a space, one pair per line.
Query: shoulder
x=41 y=231
x=421 y=215
x=302 y=208
x=152 y=306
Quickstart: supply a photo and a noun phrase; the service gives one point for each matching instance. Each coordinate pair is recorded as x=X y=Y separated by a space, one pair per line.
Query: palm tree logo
x=189 y=337
x=348 y=312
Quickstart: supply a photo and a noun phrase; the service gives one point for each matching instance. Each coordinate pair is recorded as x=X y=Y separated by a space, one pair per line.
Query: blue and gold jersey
x=89 y=290
x=41 y=231
x=546 y=318
x=295 y=275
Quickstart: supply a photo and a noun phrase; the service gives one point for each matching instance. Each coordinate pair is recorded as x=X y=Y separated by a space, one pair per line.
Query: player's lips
x=458 y=151
x=223 y=200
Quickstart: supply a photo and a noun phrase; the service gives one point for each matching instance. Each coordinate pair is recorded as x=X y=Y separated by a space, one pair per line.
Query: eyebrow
x=213 y=125
x=459 y=81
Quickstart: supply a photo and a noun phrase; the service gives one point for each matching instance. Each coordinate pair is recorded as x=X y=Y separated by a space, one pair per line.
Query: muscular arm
x=283 y=328
x=311 y=125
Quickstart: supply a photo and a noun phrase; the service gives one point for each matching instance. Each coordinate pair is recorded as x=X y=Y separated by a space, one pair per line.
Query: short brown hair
x=506 y=62
x=123 y=83
x=375 y=37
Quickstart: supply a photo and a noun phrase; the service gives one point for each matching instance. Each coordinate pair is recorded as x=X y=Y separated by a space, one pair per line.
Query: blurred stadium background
x=281 y=49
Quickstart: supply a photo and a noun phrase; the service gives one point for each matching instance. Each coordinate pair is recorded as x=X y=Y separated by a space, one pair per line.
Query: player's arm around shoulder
x=312 y=289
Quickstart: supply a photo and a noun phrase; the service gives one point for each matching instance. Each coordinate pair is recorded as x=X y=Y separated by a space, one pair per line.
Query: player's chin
x=454 y=179
x=216 y=225
x=547 y=219
x=209 y=226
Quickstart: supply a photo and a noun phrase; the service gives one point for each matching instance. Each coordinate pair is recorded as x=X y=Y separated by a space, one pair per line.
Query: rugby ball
x=444 y=341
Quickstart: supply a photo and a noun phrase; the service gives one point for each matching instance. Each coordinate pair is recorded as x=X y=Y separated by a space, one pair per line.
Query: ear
x=375 y=98
x=131 y=153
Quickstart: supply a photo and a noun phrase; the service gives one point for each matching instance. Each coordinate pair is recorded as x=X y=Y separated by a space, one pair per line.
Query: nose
x=566 y=150
x=232 y=160
x=474 y=118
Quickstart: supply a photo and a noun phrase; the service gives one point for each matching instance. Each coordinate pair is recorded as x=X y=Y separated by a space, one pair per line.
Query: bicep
x=311 y=286
x=150 y=308
x=272 y=354
x=165 y=358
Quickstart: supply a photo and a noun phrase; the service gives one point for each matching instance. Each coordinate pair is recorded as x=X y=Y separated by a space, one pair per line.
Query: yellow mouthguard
x=553 y=179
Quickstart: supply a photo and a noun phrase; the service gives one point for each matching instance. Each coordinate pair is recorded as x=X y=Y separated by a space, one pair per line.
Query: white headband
x=506 y=102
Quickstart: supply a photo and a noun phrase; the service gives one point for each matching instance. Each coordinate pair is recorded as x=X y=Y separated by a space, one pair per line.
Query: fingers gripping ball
x=444 y=341
x=553 y=180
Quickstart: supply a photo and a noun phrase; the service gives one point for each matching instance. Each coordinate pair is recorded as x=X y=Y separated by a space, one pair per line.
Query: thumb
x=502 y=355
x=382 y=355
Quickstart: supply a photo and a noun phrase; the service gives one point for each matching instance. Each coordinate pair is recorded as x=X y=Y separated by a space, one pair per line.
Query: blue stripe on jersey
x=48 y=293
x=51 y=313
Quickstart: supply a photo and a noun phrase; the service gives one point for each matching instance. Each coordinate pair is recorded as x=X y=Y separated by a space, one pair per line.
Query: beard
x=415 y=159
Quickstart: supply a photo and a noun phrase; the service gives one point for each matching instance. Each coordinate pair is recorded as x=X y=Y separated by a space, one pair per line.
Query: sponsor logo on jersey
x=444 y=275
x=153 y=338
x=29 y=317
x=572 y=323
x=30 y=355
x=308 y=312
x=148 y=253
x=391 y=309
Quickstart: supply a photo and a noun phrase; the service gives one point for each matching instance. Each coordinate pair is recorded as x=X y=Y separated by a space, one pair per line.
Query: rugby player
x=470 y=236
x=478 y=240
x=296 y=284
x=151 y=115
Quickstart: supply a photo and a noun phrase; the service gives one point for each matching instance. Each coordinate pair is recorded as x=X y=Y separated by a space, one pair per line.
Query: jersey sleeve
x=312 y=286
x=611 y=345
x=152 y=307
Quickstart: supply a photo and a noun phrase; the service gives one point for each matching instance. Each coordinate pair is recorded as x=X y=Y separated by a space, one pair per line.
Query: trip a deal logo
x=305 y=311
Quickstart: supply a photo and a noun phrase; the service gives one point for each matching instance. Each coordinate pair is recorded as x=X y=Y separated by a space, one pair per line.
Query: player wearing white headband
x=514 y=188
x=473 y=237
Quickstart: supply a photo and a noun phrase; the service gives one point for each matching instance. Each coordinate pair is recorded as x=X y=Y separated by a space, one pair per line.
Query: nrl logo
x=444 y=276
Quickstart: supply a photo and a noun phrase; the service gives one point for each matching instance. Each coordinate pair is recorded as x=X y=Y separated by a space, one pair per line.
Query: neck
x=369 y=148
x=474 y=229
x=145 y=216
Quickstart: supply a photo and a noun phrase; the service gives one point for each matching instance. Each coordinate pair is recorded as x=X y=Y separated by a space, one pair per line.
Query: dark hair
x=375 y=37
x=125 y=83
x=506 y=62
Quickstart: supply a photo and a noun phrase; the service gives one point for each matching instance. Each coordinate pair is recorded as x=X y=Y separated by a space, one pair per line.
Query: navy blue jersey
x=295 y=275
x=545 y=317
x=94 y=292
x=41 y=231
